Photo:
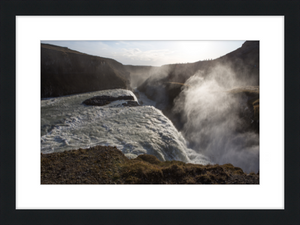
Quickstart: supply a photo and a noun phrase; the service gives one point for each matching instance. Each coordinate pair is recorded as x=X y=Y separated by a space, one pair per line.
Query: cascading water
x=67 y=124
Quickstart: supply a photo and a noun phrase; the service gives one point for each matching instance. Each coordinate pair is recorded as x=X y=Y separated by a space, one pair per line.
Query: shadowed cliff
x=65 y=71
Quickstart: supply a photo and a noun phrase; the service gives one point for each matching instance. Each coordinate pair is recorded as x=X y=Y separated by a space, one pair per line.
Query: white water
x=67 y=124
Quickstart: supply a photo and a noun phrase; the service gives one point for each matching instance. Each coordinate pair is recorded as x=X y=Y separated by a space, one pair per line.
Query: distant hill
x=65 y=71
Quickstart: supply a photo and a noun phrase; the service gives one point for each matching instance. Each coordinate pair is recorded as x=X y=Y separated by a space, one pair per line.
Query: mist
x=139 y=74
x=212 y=118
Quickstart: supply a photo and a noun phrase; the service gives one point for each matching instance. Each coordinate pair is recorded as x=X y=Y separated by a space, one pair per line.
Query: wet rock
x=131 y=104
x=105 y=100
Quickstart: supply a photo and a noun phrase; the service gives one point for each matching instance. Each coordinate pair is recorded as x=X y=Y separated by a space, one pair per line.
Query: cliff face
x=65 y=72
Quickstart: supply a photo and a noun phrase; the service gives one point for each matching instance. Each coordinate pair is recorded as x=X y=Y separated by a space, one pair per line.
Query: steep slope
x=65 y=71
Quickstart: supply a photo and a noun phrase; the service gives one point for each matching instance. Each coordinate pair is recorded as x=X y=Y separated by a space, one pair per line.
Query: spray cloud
x=213 y=122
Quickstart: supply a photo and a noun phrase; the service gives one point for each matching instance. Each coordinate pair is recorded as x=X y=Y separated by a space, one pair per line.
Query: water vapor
x=212 y=118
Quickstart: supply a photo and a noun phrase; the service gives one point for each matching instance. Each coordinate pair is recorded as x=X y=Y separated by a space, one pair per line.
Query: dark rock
x=131 y=104
x=104 y=100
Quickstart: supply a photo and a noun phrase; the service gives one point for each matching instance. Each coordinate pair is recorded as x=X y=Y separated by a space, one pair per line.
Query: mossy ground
x=108 y=165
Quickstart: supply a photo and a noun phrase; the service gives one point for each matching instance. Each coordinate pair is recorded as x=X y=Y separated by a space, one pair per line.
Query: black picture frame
x=9 y=11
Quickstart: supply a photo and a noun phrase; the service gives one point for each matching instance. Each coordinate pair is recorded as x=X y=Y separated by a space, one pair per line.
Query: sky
x=154 y=53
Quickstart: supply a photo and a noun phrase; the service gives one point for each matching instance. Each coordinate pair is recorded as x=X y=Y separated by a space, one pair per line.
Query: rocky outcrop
x=131 y=104
x=105 y=100
x=65 y=71
x=108 y=165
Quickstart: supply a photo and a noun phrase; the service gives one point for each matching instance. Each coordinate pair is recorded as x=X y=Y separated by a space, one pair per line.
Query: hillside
x=65 y=71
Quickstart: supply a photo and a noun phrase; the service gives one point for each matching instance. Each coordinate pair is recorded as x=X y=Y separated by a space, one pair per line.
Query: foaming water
x=68 y=124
